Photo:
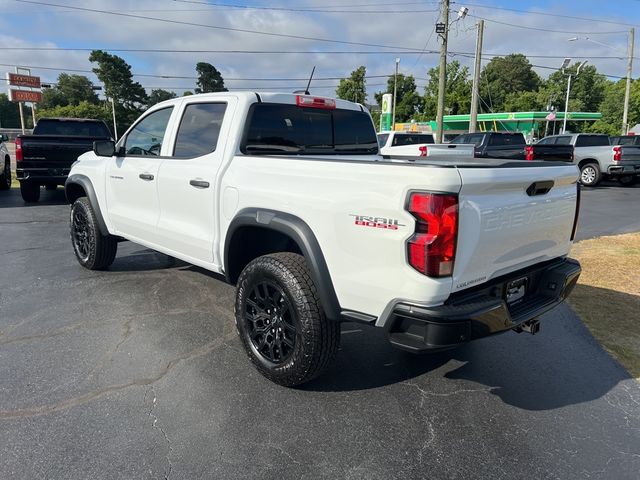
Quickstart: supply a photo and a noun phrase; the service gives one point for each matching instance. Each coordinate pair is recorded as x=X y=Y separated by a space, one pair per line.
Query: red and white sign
x=24 y=96
x=17 y=80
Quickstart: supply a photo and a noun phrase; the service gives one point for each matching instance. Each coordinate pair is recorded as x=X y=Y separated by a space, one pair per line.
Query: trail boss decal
x=377 y=222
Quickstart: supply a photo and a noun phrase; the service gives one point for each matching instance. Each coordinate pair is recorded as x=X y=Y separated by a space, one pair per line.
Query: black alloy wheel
x=81 y=234
x=270 y=322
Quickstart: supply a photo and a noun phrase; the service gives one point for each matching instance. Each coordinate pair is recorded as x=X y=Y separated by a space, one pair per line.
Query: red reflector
x=528 y=152
x=315 y=102
x=423 y=150
x=617 y=153
x=19 y=156
x=432 y=248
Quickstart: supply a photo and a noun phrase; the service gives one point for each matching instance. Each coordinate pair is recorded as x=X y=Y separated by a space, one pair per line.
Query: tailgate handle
x=540 y=188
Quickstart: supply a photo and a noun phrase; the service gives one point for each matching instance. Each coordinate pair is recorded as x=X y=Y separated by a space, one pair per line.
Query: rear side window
x=199 y=129
x=411 y=139
x=547 y=141
x=382 y=139
x=288 y=129
x=72 y=128
x=507 y=139
x=566 y=140
x=592 y=140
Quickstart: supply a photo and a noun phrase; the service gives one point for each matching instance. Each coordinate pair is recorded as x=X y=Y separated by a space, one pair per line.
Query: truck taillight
x=424 y=151
x=528 y=152
x=432 y=248
x=575 y=217
x=19 y=156
x=617 y=153
x=315 y=102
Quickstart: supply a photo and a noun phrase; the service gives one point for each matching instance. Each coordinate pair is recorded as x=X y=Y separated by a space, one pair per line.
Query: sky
x=338 y=36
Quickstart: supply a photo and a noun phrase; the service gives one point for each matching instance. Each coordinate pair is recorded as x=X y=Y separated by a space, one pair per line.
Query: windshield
x=288 y=129
x=382 y=139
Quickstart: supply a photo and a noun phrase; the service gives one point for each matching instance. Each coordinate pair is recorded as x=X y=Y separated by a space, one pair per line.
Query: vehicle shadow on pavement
x=143 y=260
x=12 y=199
x=563 y=365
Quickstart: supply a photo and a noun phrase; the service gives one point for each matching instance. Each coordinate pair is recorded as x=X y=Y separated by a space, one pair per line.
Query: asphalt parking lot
x=136 y=372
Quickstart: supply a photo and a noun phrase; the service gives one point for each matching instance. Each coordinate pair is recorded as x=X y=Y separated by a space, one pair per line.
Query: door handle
x=146 y=176
x=199 y=183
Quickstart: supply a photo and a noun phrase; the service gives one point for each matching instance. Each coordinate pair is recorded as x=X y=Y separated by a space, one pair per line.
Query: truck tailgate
x=53 y=151
x=508 y=220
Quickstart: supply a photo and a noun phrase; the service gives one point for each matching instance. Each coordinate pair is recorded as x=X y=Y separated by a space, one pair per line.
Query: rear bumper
x=44 y=175
x=481 y=311
x=624 y=169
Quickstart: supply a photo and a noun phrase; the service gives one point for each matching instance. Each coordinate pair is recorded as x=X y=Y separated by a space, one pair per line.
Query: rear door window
x=592 y=140
x=563 y=140
x=199 y=129
x=475 y=138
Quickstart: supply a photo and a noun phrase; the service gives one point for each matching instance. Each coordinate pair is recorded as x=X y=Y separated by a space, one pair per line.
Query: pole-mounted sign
x=24 y=96
x=18 y=80
x=385 y=117
x=23 y=78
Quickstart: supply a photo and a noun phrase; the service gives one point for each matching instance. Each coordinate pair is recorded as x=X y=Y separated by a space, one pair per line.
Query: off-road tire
x=5 y=176
x=30 y=191
x=590 y=174
x=627 y=180
x=316 y=338
x=92 y=249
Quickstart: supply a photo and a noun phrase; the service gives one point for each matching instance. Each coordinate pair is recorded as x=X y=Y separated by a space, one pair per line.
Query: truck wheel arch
x=255 y=232
x=77 y=186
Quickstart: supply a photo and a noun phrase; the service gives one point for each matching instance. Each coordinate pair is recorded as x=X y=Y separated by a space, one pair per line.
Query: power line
x=526 y=27
x=216 y=27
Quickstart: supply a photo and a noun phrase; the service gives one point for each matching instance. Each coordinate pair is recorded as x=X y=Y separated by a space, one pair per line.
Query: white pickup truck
x=417 y=144
x=287 y=196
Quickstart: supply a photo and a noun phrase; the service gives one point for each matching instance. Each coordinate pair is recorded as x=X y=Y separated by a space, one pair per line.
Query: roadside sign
x=385 y=117
x=24 y=96
x=18 y=80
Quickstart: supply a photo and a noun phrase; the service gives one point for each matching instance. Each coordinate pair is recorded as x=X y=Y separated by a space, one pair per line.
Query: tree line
x=506 y=84
x=76 y=96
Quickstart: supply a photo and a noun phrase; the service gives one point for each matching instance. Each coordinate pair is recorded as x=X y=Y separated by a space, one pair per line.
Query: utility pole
x=115 y=126
x=395 y=86
x=473 y=118
x=627 y=92
x=443 y=69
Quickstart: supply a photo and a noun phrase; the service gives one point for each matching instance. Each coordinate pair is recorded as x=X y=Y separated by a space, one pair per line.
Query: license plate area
x=515 y=290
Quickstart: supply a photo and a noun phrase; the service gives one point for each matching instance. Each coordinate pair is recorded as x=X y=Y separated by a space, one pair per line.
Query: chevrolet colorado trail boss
x=287 y=196
x=598 y=159
x=44 y=158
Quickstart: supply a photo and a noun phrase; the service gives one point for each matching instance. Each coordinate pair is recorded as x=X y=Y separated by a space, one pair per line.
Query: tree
x=129 y=96
x=209 y=79
x=9 y=113
x=503 y=76
x=457 y=98
x=118 y=82
x=159 y=95
x=353 y=88
x=408 y=102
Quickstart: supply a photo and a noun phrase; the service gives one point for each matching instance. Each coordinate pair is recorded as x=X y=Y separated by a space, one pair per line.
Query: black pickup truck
x=513 y=146
x=45 y=158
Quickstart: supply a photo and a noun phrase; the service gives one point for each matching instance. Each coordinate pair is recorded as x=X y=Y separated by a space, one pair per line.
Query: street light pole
x=395 y=86
x=566 y=106
x=113 y=110
x=473 y=117
x=627 y=91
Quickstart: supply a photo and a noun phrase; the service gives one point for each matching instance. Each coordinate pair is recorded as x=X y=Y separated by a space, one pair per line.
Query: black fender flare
x=84 y=182
x=298 y=230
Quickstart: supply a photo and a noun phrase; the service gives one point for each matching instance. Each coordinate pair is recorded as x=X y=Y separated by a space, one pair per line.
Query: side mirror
x=104 y=148
x=5 y=137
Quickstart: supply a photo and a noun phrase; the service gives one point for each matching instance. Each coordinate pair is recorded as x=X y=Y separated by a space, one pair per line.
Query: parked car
x=287 y=197
x=509 y=145
x=45 y=157
x=625 y=140
x=416 y=144
x=5 y=170
x=598 y=159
